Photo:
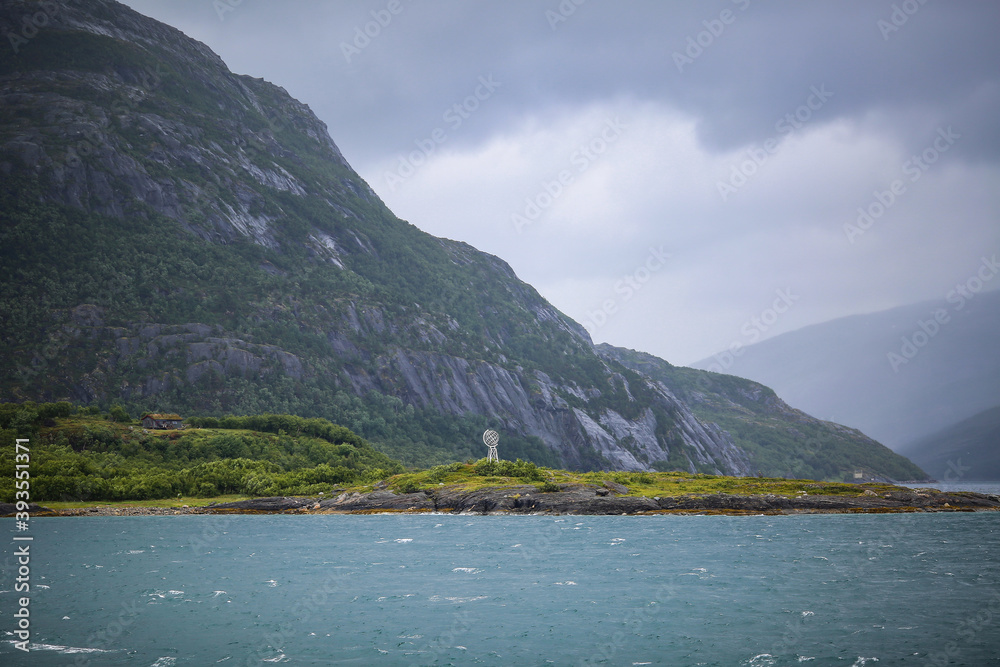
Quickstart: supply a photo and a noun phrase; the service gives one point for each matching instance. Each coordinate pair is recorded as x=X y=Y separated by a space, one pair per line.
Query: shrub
x=408 y=486
x=524 y=470
x=207 y=490
x=118 y=414
x=438 y=473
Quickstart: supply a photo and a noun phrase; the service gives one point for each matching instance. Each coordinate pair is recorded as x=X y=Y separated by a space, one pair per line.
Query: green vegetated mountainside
x=177 y=237
x=79 y=454
x=780 y=439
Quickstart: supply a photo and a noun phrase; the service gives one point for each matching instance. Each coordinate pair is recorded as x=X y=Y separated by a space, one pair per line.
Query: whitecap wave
x=456 y=599
x=67 y=650
x=164 y=594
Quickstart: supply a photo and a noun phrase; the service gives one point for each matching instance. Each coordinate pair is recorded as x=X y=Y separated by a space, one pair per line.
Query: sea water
x=974 y=487
x=899 y=589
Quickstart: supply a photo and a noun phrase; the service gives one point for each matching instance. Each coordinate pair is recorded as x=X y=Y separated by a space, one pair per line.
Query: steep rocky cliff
x=181 y=237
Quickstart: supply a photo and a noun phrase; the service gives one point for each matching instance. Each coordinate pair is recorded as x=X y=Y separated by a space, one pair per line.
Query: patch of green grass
x=464 y=476
x=162 y=502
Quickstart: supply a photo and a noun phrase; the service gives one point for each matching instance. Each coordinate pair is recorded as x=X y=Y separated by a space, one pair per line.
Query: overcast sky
x=676 y=176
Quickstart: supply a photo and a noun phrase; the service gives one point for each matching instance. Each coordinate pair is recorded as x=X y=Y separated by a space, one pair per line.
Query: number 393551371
x=22 y=460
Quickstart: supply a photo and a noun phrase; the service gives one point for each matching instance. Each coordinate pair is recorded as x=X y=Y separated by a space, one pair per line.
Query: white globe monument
x=491 y=438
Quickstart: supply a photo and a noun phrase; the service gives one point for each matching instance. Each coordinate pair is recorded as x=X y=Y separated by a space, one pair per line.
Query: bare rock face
x=379 y=500
x=617 y=488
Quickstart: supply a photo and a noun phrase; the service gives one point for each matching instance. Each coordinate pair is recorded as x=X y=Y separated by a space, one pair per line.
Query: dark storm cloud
x=941 y=58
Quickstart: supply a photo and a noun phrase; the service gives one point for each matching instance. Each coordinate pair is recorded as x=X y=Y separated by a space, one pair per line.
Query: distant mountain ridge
x=898 y=375
x=966 y=451
x=183 y=238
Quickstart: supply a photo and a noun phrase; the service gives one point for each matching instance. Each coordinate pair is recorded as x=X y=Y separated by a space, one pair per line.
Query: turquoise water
x=915 y=589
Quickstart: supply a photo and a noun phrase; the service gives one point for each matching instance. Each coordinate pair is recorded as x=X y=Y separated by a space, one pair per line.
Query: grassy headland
x=82 y=458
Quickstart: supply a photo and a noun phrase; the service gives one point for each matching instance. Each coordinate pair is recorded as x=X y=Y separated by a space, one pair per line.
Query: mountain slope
x=778 y=437
x=968 y=450
x=183 y=238
x=842 y=370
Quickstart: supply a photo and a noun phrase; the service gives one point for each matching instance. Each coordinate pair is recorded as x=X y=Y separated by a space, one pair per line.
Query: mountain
x=180 y=238
x=898 y=375
x=968 y=450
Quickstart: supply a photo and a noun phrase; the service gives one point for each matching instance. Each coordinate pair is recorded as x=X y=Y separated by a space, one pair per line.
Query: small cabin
x=162 y=421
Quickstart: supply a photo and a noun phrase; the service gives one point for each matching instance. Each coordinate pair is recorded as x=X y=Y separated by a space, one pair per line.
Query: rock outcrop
x=593 y=499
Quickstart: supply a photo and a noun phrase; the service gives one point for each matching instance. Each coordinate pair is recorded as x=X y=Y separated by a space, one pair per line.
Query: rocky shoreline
x=580 y=499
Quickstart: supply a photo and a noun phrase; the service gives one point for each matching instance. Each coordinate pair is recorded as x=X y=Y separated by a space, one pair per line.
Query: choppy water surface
x=975 y=487
x=920 y=589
